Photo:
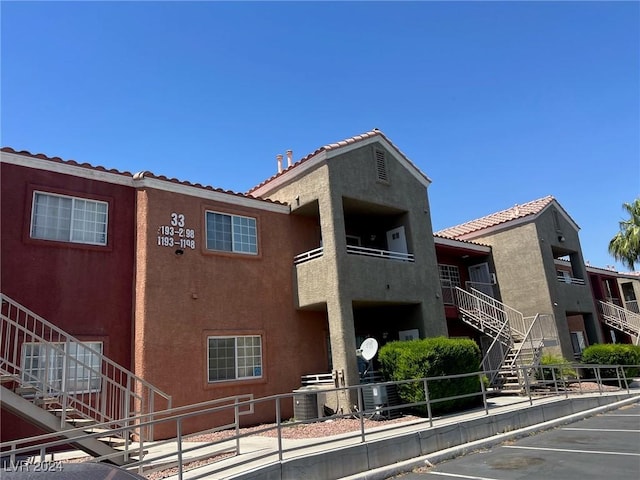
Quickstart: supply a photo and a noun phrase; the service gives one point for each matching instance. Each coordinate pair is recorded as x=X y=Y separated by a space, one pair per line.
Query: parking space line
x=622 y=415
x=601 y=430
x=567 y=450
x=455 y=475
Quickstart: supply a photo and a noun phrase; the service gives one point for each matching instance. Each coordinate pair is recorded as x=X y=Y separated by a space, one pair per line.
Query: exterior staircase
x=516 y=341
x=621 y=319
x=60 y=384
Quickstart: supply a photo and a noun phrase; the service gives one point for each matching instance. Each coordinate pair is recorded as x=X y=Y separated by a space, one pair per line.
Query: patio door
x=481 y=278
x=397 y=240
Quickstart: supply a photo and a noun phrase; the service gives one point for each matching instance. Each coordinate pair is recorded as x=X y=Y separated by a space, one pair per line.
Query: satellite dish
x=368 y=349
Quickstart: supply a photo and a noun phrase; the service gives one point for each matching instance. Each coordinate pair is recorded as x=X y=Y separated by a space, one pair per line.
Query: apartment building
x=206 y=293
x=538 y=259
x=203 y=293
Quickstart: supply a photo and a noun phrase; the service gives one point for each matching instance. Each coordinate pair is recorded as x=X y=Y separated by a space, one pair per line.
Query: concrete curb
x=449 y=453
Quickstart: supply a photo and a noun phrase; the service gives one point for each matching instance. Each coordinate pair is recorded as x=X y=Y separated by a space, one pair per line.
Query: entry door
x=397 y=240
x=480 y=275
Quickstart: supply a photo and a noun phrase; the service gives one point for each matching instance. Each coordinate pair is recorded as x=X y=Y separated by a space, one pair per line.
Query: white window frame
x=237 y=243
x=76 y=231
x=51 y=367
x=242 y=359
x=450 y=274
x=579 y=340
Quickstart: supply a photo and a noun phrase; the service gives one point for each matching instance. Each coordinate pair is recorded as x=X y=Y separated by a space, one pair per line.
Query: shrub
x=555 y=365
x=433 y=357
x=613 y=354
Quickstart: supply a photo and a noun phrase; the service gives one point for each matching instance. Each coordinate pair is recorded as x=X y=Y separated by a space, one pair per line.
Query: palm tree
x=625 y=245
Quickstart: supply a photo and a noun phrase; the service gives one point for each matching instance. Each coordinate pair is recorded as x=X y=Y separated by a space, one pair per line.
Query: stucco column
x=431 y=326
x=339 y=304
x=343 y=348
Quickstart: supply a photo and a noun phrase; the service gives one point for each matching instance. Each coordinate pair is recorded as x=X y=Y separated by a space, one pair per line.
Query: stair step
x=97 y=430
x=112 y=441
x=70 y=413
x=25 y=390
x=81 y=422
x=45 y=401
x=6 y=378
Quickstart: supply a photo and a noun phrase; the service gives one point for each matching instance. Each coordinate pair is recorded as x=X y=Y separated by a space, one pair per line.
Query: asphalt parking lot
x=605 y=446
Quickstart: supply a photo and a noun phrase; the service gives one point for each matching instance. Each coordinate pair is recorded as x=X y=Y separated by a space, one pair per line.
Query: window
x=234 y=358
x=577 y=343
x=50 y=367
x=69 y=219
x=231 y=233
x=449 y=275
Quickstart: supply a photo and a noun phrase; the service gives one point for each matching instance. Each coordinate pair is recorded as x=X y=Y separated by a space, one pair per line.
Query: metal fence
x=549 y=380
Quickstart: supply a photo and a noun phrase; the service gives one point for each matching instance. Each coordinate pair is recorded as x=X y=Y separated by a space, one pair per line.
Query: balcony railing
x=448 y=291
x=355 y=250
x=306 y=256
x=570 y=280
x=374 y=252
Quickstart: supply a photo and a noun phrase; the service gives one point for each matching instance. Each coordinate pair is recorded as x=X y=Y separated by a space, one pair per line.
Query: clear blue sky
x=497 y=102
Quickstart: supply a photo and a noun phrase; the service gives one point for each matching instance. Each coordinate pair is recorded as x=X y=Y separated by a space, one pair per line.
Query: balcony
x=374 y=275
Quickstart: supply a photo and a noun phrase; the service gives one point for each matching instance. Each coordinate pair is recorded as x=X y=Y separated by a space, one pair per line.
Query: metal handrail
x=121 y=394
x=490 y=312
x=306 y=256
x=175 y=418
x=374 y=252
x=621 y=318
x=497 y=353
x=571 y=280
x=632 y=306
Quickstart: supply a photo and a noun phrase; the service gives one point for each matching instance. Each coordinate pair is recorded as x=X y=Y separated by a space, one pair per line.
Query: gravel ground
x=305 y=430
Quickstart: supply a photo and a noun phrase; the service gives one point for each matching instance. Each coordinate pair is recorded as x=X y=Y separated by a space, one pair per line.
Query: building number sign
x=175 y=234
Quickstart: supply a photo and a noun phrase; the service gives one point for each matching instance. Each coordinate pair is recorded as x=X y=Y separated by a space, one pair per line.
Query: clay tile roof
x=42 y=156
x=518 y=211
x=470 y=242
x=334 y=146
x=137 y=176
x=147 y=174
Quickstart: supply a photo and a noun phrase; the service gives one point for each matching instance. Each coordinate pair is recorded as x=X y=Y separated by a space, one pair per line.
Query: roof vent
x=381 y=166
x=289 y=158
x=279 y=160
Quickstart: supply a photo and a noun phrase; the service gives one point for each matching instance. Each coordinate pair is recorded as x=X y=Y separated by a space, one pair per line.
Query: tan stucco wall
x=339 y=279
x=524 y=260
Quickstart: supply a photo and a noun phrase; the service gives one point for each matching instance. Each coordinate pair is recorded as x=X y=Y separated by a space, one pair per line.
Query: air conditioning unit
x=379 y=398
x=308 y=402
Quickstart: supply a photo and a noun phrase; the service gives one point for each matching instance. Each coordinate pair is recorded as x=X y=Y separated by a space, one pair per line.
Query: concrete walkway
x=391 y=449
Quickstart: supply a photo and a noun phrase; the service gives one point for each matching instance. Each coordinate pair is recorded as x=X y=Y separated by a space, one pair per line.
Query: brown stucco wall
x=183 y=299
x=85 y=290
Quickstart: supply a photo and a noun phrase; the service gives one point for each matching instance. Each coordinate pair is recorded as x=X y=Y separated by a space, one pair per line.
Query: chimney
x=289 y=158
x=279 y=159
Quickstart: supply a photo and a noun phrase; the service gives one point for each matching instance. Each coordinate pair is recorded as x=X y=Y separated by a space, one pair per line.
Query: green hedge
x=613 y=354
x=555 y=366
x=433 y=357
